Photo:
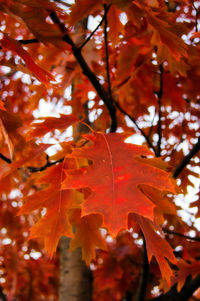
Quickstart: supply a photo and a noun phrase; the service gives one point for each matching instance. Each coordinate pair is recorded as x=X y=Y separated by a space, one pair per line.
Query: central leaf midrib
x=112 y=171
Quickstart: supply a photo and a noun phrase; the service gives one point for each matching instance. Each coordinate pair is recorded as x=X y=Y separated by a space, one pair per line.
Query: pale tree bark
x=75 y=277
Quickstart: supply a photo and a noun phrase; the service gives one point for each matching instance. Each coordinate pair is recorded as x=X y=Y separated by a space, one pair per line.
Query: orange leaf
x=81 y=9
x=87 y=235
x=10 y=44
x=114 y=177
x=55 y=222
x=50 y=124
x=28 y=157
x=2 y=105
x=156 y=245
x=185 y=269
x=7 y=138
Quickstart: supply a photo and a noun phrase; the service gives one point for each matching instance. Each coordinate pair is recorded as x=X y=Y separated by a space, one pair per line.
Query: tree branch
x=30 y=41
x=144 y=272
x=7 y=160
x=160 y=94
x=93 y=32
x=181 y=235
x=2 y=295
x=137 y=126
x=196 y=17
x=106 y=50
x=109 y=103
x=33 y=168
x=48 y=164
x=26 y=42
x=63 y=3
x=187 y=159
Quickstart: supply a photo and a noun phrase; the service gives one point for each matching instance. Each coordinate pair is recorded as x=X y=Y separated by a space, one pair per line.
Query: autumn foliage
x=99 y=141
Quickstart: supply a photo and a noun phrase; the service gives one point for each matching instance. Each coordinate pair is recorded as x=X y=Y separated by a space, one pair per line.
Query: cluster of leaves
x=135 y=76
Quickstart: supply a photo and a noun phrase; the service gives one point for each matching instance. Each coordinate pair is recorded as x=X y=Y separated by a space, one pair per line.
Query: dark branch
x=33 y=168
x=181 y=235
x=88 y=73
x=144 y=272
x=93 y=32
x=26 y=42
x=48 y=164
x=197 y=12
x=2 y=295
x=7 y=160
x=137 y=126
x=160 y=94
x=187 y=159
x=106 y=50
x=63 y=3
x=56 y=20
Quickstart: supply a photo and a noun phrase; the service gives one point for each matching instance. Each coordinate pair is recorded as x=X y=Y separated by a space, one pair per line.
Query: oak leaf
x=185 y=269
x=50 y=124
x=10 y=44
x=30 y=155
x=55 y=223
x=87 y=234
x=114 y=178
x=156 y=245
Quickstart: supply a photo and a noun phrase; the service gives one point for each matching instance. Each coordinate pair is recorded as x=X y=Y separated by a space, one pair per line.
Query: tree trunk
x=75 y=277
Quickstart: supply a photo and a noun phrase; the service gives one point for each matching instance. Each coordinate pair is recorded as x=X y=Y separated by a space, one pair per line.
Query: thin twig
x=33 y=168
x=160 y=94
x=63 y=3
x=187 y=159
x=26 y=42
x=137 y=126
x=109 y=103
x=30 y=41
x=181 y=235
x=106 y=50
x=196 y=17
x=93 y=32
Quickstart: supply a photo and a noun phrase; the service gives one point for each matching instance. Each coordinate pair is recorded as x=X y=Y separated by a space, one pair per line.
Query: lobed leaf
x=114 y=179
